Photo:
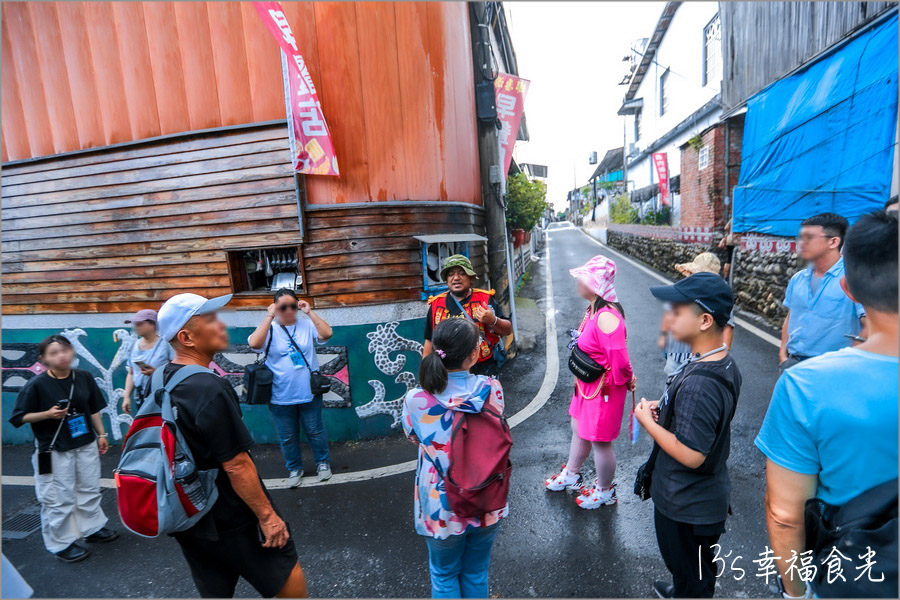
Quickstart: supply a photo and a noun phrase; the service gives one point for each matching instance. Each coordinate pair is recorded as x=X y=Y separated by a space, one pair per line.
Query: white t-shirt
x=291 y=383
x=158 y=355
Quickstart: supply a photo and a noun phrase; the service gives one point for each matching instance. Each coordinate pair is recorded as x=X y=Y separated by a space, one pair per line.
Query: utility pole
x=492 y=174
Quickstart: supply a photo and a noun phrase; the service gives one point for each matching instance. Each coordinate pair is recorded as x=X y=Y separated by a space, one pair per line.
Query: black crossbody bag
x=258 y=378
x=645 y=473
x=318 y=383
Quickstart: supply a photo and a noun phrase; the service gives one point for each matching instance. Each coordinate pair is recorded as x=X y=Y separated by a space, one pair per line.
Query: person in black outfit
x=242 y=535
x=691 y=425
x=63 y=407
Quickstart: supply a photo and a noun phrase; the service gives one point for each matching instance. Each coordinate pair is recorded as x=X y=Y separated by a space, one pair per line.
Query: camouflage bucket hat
x=457 y=260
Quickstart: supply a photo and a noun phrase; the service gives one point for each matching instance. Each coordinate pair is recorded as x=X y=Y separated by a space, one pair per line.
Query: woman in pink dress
x=597 y=408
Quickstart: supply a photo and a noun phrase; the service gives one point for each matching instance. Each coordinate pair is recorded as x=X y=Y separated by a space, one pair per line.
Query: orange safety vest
x=439 y=312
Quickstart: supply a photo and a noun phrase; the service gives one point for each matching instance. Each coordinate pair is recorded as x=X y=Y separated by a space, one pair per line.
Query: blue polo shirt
x=835 y=416
x=819 y=321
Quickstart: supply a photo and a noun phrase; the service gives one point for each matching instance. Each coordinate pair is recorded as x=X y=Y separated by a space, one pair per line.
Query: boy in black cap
x=691 y=425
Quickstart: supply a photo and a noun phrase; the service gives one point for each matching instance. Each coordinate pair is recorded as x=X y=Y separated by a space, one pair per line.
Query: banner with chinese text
x=310 y=141
x=661 y=161
x=510 y=100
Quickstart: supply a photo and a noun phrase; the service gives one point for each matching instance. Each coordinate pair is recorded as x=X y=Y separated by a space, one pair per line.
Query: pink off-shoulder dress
x=599 y=413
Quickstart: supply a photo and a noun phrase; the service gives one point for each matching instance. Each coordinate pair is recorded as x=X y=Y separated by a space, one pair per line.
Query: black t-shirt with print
x=702 y=422
x=209 y=417
x=43 y=392
x=454 y=310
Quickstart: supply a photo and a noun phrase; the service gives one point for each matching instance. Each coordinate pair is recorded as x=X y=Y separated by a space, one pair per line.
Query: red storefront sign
x=510 y=100
x=311 y=142
x=661 y=161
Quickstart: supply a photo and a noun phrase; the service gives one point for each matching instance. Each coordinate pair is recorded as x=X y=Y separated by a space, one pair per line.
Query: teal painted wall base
x=373 y=364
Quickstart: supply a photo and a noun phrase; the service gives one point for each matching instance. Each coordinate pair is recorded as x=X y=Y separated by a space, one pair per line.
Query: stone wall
x=760 y=280
x=661 y=254
x=760 y=277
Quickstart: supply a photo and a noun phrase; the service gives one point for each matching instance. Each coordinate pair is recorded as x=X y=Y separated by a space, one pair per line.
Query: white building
x=673 y=94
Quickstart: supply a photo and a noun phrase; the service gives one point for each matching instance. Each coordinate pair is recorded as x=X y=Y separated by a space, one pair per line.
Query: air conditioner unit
x=435 y=250
x=633 y=149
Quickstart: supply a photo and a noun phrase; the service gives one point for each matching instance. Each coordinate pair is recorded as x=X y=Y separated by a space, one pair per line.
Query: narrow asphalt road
x=357 y=539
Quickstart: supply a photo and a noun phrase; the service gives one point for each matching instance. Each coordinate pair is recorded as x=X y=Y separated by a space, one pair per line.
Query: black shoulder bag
x=581 y=364
x=867 y=522
x=318 y=383
x=645 y=473
x=258 y=378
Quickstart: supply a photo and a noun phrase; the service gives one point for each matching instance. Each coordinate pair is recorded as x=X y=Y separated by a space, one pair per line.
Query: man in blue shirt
x=831 y=428
x=821 y=317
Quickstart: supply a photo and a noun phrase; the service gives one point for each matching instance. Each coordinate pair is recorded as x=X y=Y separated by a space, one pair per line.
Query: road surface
x=356 y=539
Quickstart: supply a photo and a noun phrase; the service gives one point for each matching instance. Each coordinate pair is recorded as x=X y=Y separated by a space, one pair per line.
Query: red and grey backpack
x=160 y=489
x=477 y=480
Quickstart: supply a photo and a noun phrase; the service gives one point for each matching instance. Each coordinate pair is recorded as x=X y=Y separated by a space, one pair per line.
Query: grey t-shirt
x=702 y=422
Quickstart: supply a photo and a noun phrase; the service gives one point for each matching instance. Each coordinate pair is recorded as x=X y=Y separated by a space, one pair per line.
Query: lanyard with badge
x=297 y=358
x=76 y=421
x=45 y=457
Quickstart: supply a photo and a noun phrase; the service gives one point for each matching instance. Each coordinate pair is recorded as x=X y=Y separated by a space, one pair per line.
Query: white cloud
x=572 y=54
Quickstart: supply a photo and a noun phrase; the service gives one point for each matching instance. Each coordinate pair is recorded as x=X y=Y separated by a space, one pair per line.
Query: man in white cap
x=242 y=535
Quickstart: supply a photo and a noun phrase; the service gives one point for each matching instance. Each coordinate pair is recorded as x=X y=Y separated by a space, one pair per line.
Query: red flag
x=509 y=93
x=314 y=153
x=661 y=161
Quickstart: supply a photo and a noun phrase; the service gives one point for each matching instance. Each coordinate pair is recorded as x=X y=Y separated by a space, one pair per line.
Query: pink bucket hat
x=598 y=274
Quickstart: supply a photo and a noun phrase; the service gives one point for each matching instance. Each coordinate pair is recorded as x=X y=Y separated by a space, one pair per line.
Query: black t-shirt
x=453 y=309
x=43 y=392
x=209 y=417
x=702 y=422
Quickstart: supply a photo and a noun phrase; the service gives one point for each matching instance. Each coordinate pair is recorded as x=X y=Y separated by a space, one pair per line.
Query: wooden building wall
x=121 y=229
x=394 y=78
x=763 y=41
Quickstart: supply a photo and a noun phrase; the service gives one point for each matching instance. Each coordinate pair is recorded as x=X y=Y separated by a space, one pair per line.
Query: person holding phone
x=288 y=343
x=149 y=353
x=63 y=406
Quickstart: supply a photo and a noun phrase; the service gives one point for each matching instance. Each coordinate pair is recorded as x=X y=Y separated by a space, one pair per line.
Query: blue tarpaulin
x=822 y=139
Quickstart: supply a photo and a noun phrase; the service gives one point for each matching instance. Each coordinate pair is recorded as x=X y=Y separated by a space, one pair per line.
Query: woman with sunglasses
x=289 y=345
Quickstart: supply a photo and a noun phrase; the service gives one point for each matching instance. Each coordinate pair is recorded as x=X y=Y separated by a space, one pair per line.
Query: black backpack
x=867 y=521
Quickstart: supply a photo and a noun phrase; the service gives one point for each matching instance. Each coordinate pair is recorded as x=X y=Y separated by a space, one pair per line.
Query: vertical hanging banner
x=311 y=144
x=510 y=100
x=661 y=161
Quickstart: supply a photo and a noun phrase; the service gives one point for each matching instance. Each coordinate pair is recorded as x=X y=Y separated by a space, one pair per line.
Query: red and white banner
x=661 y=161
x=509 y=93
x=311 y=143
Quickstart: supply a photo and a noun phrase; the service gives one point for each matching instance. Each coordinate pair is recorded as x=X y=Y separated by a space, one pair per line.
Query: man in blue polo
x=821 y=318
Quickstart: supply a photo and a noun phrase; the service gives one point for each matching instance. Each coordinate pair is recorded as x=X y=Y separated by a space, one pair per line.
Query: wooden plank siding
x=119 y=229
x=751 y=60
x=395 y=80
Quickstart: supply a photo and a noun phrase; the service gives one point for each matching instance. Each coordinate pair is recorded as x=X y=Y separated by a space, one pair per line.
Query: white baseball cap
x=178 y=310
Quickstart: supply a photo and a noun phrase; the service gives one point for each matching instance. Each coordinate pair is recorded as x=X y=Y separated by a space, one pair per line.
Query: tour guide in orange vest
x=479 y=306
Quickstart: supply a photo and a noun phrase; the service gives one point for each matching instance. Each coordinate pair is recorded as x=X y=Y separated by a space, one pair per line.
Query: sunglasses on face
x=286 y=307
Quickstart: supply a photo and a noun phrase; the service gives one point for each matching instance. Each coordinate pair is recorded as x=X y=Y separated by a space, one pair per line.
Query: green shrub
x=526 y=202
x=622 y=211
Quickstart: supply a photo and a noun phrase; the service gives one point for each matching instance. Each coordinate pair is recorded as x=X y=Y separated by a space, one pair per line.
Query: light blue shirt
x=290 y=385
x=835 y=416
x=819 y=321
x=158 y=355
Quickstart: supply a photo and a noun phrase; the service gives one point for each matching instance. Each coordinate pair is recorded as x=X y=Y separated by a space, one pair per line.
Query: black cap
x=707 y=290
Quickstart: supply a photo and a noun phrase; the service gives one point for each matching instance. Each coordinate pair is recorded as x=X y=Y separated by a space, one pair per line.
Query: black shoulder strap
x=461 y=307
x=269 y=343
x=294 y=344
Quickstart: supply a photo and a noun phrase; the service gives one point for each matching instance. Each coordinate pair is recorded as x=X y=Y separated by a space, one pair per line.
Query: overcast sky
x=572 y=54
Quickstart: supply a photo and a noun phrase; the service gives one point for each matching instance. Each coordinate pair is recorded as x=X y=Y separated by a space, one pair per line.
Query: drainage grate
x=23 y=523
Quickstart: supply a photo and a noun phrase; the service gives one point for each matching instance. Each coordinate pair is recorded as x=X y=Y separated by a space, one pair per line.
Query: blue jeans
x=288 y=420
x=459 y=564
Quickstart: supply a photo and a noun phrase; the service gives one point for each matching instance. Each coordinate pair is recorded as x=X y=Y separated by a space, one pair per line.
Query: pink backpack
x=477 y=480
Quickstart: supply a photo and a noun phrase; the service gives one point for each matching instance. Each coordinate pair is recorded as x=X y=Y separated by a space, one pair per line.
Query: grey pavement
x=357 y=539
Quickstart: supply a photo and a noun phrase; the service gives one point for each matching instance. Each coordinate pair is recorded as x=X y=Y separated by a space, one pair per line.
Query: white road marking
x=767 y=337
x=551 y=374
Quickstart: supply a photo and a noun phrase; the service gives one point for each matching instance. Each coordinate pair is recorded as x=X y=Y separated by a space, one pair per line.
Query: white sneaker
x=596 y=497
x=564 y=480
x=324 y=471
x=294 y=478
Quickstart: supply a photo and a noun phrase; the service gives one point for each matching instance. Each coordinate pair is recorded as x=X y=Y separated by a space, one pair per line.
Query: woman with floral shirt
x=459 y=548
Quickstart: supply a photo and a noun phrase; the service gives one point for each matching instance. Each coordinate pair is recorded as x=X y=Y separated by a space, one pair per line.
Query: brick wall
x=703 y=190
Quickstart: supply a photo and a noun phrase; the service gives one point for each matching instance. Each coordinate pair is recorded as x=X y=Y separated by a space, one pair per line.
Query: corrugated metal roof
x=612 y=161
x=658 y=34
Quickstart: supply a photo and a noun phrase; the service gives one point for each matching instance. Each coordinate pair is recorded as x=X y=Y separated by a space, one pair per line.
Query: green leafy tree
x=526 y=202
x=622 y=211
